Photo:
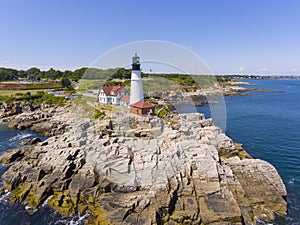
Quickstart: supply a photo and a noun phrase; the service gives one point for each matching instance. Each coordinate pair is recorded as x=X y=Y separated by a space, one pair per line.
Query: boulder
x=11 y=156
x=32 y=141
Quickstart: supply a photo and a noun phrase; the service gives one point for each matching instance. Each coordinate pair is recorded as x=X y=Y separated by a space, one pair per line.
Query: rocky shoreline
x=138 y=170
x=202 y=97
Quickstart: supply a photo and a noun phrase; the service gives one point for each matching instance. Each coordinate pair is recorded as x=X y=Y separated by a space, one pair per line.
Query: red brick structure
x=142 y=108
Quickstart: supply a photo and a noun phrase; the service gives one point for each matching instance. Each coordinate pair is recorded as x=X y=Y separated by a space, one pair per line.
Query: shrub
x=99 y=114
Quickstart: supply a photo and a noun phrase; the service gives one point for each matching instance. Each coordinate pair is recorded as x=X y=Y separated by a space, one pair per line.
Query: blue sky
x=231 y=36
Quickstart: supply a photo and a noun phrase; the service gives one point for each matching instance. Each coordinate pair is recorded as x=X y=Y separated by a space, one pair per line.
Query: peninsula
x=139 y=170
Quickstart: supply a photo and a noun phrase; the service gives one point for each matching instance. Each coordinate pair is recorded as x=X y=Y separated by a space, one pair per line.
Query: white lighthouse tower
x=136 y=87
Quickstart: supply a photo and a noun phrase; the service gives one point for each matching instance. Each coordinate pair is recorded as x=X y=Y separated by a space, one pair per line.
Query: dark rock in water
x=22 y=126
x=1 y=190
x=11 y=156
x=32 y=141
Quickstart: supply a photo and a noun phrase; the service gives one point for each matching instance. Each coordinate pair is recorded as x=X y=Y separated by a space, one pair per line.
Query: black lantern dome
x=136 y=62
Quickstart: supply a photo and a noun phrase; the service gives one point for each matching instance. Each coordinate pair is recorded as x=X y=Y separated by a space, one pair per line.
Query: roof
x=116 y=89
x=142 y=105
x=125 y=98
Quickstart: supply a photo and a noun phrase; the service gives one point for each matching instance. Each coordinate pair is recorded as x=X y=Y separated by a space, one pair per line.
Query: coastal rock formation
x=11 y=156
x=138 y=170
x=15 y=108
x=47 y=122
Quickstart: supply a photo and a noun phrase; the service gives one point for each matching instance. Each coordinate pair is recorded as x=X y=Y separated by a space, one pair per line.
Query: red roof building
x=111 y=94
x=142 y=108
x=113 y=90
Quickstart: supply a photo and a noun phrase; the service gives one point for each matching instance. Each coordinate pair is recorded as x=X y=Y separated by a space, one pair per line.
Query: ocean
x=267 y=124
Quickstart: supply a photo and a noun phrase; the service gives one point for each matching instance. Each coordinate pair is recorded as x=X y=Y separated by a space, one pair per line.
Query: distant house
x=125 y=100
x=50 y=92
x=31 y=78
x=69 y=96
x=111 y=94
x=57 y=93
x=142 y=108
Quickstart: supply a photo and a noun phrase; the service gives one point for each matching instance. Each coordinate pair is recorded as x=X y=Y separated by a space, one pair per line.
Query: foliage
x=7 y=74
x=162 y=112
x=89 y=84
x=122 y=73
x=38 y=98
x=65 y=82
x=99 y=114
x=100 y=74
x=110 y=76
x=7 y=99
x=118 y=82
x=53 y=100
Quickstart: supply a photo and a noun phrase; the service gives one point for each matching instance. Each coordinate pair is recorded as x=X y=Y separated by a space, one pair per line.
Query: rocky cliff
x=138 y=170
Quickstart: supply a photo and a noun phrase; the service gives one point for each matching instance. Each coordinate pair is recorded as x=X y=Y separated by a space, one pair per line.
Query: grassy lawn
x=85 y=85
x=13 y=92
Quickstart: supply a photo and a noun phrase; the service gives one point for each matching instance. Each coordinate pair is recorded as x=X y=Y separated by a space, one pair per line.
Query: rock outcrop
x=47 y=122
x=11 y=156
x=7 y=110
x=136 y=170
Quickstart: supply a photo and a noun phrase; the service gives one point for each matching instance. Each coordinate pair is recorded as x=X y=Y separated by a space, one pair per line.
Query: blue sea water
x=267 y=124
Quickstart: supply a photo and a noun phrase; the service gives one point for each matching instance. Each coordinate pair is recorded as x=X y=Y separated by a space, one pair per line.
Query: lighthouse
x=136 y=87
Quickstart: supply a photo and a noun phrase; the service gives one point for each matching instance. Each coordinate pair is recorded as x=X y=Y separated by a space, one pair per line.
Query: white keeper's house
x=111 y=94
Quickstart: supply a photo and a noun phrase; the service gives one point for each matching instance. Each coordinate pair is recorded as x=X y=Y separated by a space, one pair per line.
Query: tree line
x=8 y=74
x=111 y=75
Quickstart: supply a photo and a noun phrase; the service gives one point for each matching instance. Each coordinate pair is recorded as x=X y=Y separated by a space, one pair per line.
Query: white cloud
x=264 y=69
x=294 y=69
x=242 y=69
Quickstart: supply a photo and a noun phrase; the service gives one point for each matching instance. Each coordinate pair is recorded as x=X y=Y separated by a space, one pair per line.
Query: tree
x=33 y=71
x=65 y=82
x=53 y=74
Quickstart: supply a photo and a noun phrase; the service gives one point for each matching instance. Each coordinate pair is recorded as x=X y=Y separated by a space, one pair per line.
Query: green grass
x=85 y=85
x=84 y=106
x=14 y=92
x=36 y=99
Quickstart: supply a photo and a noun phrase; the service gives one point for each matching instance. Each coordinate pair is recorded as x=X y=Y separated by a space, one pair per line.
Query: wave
x=261 y=222
x=20 y=136
x=4 y=196
x=291 y=181
x=77 y=220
